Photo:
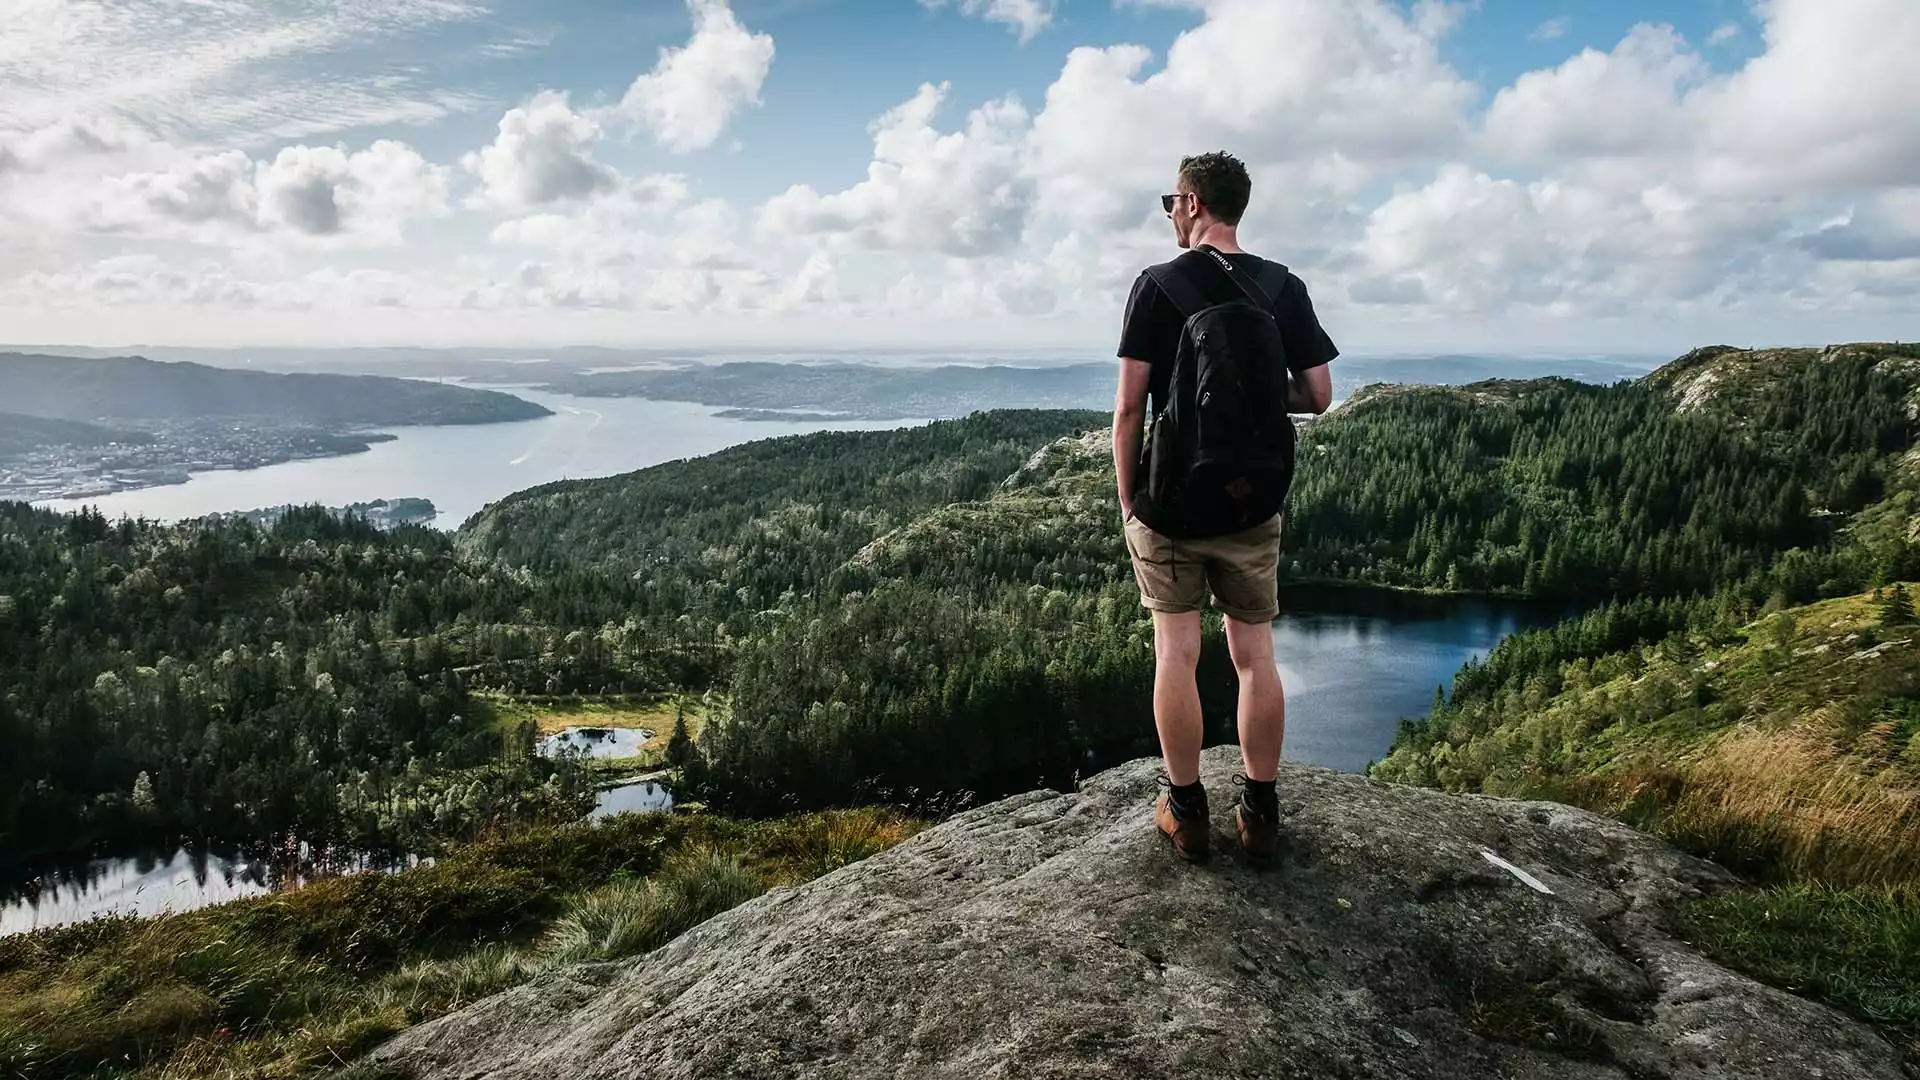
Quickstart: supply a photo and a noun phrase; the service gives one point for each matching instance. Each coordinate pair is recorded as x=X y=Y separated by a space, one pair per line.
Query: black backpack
x=1219 y=456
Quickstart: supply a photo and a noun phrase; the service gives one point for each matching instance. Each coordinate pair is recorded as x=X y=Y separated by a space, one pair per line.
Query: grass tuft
x=630 y=917
x=310 y=980
x=1857 y=948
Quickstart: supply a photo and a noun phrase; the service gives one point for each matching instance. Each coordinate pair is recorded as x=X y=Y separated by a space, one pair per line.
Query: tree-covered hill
x=741 y=527
x=311 y=677
x=134 y=388
x=20 y=434
x=1563 y=489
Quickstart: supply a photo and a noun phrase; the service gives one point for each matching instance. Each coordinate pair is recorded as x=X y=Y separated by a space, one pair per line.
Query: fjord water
x=1353 y=662
x=462 y=469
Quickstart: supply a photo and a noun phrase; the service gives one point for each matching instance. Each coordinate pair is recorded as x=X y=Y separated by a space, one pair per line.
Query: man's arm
x=1309 y=391
x=1129 y=426
x=1309 y=385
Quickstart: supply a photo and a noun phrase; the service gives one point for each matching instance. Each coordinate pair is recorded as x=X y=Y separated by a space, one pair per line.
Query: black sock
x=1259 y=797
x=1189 y=798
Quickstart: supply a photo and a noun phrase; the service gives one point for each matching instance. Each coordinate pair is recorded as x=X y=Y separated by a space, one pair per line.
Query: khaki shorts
x=1241 y=570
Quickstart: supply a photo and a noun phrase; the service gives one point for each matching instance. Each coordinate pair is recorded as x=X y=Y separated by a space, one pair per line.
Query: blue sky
x=1504 y=176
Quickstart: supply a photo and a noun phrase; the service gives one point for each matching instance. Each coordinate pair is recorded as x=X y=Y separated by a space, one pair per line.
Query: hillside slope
x=1054 y=935
x=133 y=388
x=20 y=434
x=768 y=515
x=1792 y=742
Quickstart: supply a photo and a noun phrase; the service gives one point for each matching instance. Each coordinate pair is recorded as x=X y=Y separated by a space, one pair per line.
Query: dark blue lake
x=1353 y=662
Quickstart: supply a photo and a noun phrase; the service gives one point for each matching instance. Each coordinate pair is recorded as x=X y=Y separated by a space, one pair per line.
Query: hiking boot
x=1187 y=828
x=1259 y=827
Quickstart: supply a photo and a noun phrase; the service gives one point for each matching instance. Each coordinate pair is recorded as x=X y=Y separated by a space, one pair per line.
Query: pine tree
x=142 y=800
x=1897 y=609
x=679 y=744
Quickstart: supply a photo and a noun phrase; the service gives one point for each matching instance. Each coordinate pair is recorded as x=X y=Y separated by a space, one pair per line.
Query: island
x=380 y=513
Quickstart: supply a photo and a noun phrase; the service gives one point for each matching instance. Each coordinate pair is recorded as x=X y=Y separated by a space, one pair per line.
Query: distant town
x=176 y=449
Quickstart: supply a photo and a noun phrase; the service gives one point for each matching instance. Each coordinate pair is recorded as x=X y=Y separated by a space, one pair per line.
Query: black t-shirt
x=1152 y=328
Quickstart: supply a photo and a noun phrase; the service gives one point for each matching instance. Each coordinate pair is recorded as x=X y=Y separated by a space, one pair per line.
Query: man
x=1240 y=570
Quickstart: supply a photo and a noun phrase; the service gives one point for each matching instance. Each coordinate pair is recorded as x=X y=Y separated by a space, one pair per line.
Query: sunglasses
x=1166 y=203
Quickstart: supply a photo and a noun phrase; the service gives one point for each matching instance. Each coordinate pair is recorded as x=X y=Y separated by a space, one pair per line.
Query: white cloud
x=691 y=93
x=313 y=194
x=64 y=140
x=1723 y=33
x=1025 y=17
x=1647 y=188
x=1781 y=124
x=954 y=193
x=1599 y=104
x=1277 y=81
x=543 y=154
x=1882 y=228
x=1552 y=29
x=197 y=70
x=215 y=191
x=1472 y=243
x=322 y=191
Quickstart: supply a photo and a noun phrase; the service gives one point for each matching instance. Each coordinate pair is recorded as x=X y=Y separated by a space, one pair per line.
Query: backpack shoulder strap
x=1175 y=280
x=1273 y=278
x=1247 y=284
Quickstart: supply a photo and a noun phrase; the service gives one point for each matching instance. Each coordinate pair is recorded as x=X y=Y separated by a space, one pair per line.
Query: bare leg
x=1176 y=696
x=1263 y=703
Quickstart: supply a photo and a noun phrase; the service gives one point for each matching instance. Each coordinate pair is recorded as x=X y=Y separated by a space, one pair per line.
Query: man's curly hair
x=1221 y=182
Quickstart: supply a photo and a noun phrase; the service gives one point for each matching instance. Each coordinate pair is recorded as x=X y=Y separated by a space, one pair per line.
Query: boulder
x=1402 y=933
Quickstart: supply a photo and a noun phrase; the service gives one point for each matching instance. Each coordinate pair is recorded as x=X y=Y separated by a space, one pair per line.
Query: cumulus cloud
x=1599 y=104
x=1787 y=122
x=1277 y=81
x=956 y=193
x=58 y=142
x=1647 y=177
x=216 y=190
x=323 y=191
x=1470 y=242
x=694 y=90
x=321 y=194
x=1025 y=17
x=542 y=154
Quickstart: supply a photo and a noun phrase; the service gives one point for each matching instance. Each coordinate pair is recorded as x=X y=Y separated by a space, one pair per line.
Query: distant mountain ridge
x=135 y=388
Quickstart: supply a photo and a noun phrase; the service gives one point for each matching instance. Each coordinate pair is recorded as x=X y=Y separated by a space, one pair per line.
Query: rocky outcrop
x=1403 y=933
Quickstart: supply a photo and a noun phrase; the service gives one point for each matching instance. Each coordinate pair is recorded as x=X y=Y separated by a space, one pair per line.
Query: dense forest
x=312 y=677
x=1554 y=488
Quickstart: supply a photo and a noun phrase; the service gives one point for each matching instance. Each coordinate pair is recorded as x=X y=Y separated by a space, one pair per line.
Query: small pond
x=643 y=795
x=178 y=879
x=596 y=742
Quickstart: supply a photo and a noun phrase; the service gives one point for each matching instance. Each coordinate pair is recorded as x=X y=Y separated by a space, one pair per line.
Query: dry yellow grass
x=1792 y=801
